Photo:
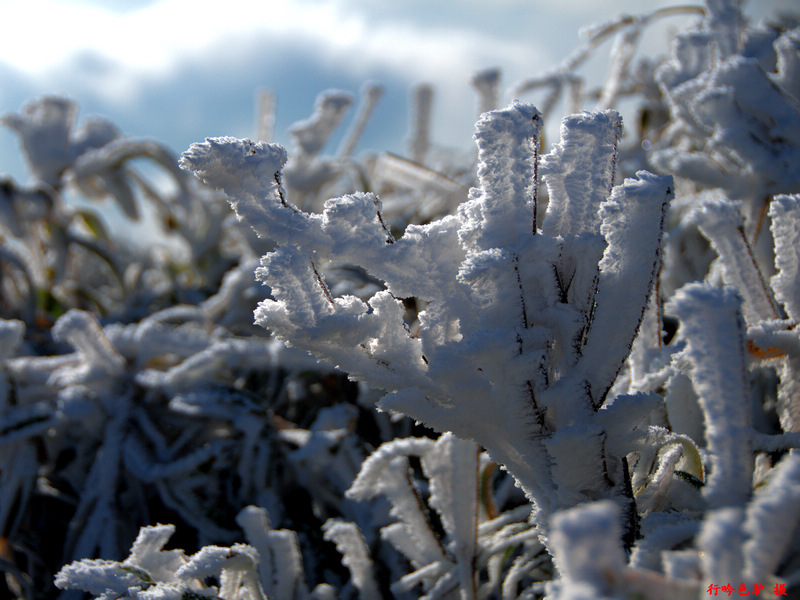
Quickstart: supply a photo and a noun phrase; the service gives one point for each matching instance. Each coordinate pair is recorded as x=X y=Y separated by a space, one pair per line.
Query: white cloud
x=119 y=54
x=90 y=46
x=155 y=36
x=437 y=40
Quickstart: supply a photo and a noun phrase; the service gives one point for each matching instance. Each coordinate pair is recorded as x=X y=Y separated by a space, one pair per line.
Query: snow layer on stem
x=722 y=223
x=280 y=563
x=785 y=214
x=580 y=172
x=772 y=520
x=503 y=207
x=712 y=324
x=633 y=223
x=587 y=551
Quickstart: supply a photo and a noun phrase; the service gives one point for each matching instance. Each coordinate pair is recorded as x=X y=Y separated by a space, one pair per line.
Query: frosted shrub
x=722 y=116
x=524 y=327
x=732 y=94
x=494 y=284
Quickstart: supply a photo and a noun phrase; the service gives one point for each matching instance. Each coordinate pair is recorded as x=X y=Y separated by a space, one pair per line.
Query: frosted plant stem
x=535 y=190
x=762 y=280
x=266 y=115
x=419 y=142
x=713 y=326
x=370 y=95
x=765 y=442
x=722 y=223
x=321 y=283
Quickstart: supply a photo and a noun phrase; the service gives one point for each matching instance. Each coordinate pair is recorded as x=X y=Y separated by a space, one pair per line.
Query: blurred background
x=179 y=71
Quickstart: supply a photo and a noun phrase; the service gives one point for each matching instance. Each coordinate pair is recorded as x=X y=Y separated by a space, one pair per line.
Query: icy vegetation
x=584 y=354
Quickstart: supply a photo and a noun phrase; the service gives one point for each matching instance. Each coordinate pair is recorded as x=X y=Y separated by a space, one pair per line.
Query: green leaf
x=47 y=303
x=94 y=224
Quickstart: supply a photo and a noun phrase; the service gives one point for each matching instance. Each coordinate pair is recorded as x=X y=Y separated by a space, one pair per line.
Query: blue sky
x=181 y=70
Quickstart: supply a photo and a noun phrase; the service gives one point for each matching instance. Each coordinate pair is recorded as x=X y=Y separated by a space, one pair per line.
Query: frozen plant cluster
x=135 y=387
x=504 y=352
x=623 y=344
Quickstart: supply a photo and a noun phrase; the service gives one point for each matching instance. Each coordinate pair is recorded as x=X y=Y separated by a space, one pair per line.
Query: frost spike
x=249 y=174
x=355 y=556
x=485 y=83
x=370 y=95
x=254 y=521
x=266 y=115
